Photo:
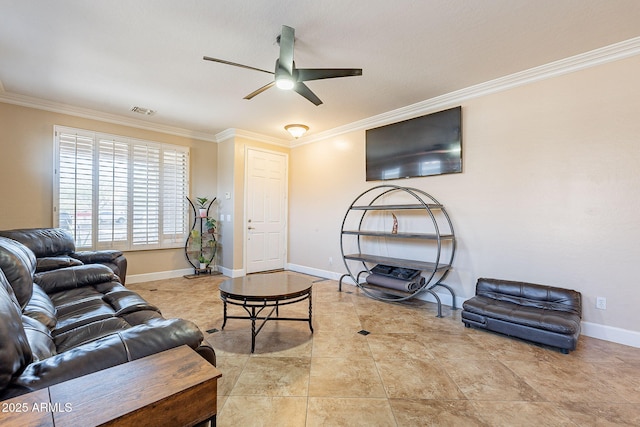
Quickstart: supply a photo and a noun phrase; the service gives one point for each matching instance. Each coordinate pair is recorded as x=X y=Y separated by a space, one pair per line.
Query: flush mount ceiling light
x=296 y=130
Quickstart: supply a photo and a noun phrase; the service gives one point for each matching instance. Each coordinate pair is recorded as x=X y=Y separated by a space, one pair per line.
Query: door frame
x=285 y=211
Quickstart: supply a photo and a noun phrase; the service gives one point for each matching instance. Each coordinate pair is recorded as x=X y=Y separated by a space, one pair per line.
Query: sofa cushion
x=18 y=264
x=39 y=337
x=124 y=302
x=15 y=353
x=43 y=242
x=531 y=295
x=74 y=296
x=73 y=316
x=40 y=307
x=89 y=332
x=561 y=322
x=74 y=277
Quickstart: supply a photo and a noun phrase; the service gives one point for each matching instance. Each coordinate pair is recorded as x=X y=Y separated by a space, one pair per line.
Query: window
x=113 y=192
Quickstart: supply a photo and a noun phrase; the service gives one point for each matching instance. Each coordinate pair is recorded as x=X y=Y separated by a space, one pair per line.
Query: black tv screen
x=423 y=146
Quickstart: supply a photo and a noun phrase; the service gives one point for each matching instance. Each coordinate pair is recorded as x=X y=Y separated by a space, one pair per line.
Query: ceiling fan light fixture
x=296 y=130
x=285 y=82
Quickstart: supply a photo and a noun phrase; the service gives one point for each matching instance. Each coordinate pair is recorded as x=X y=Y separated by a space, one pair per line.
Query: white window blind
x=120 y=193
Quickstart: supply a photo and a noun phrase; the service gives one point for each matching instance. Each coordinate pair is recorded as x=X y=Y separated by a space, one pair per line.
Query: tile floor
x=413 y=369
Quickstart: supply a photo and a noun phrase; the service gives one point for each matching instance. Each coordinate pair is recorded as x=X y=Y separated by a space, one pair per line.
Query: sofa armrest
x=96 y=257
x=74 y=277
x=113 y=259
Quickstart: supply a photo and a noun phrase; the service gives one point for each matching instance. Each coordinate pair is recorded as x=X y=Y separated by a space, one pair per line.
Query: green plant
x=210 y=223
x=202 y=202
x=202 y=259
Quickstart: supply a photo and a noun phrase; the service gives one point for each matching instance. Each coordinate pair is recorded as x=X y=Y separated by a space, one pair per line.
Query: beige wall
x=26 y=170
x=549 y=192
x=226 y=153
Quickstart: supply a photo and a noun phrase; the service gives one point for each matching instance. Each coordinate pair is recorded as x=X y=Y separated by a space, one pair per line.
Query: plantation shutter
x=75 y=201
x=175 y=191
x=146 y=195
x=120 y=193
x=113 y=179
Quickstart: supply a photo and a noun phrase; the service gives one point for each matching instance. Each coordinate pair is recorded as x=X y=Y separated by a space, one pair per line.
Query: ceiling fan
x=287 y=76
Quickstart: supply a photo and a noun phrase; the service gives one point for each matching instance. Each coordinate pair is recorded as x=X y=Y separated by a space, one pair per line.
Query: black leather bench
x=538 y=313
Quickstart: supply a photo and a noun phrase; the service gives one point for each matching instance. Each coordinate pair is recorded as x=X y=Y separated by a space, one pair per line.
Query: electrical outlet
x=601 y=303
x=330 y=260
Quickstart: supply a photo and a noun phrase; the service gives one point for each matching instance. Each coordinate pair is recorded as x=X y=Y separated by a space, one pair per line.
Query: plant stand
x=201 y=245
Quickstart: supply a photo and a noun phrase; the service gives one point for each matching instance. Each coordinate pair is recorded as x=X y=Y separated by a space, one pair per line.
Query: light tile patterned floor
x=413 y=369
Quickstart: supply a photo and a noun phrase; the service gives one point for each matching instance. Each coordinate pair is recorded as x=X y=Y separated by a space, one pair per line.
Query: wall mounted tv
x=423 y=146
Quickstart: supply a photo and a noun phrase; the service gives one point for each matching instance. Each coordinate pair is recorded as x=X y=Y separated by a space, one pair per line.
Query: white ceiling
x=108 y=56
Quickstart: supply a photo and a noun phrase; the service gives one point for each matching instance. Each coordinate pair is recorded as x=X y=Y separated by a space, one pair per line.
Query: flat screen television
x=422 y=146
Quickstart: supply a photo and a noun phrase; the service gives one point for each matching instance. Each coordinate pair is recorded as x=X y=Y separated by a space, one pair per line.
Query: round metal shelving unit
x=425 y=241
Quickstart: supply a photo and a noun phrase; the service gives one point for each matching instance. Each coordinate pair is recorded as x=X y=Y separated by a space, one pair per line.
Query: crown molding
x=56 y=107
x=611 y=53
x=240 y=133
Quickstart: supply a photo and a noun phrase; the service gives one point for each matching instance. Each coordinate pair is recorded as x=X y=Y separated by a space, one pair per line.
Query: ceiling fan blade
x=222 y=61
x=259 y=91
x=303 y=90
x=305 y=74
x=286 y=49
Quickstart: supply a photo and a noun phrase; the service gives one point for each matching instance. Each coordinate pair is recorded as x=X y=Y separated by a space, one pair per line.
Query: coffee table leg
x=310 y=324
x=253 y=329
x=225 y=315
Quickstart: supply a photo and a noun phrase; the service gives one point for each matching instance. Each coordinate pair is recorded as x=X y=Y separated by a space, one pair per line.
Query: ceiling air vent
x=142 y=110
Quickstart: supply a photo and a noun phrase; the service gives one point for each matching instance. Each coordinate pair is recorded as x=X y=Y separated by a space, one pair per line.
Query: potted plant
x=210 y=223
x=202 y=206
x=203 y=262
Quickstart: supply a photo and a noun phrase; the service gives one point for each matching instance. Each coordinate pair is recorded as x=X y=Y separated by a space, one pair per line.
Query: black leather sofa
x=538 y=313
x=68 y=321
x=54 y=248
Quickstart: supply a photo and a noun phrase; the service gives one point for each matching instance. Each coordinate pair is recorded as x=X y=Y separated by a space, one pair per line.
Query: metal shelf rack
x=425 y=241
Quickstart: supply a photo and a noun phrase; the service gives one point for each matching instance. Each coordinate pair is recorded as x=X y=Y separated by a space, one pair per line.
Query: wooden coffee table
x=176 y=387
x=257 y=292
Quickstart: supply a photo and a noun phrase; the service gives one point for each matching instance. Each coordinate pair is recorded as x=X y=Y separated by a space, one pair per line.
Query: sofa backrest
x=15 y=352
x=18 y=264
x=531 y=294
x=43 y=242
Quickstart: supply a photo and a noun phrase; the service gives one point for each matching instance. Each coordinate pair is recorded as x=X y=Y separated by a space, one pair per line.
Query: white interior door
x=266 y=212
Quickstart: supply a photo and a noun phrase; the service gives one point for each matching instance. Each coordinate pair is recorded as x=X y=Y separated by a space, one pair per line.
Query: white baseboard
x=610 y=333
x=593 y=330
x=230 y=272
x=172 y=274
x=160 y=275
x=331 y=275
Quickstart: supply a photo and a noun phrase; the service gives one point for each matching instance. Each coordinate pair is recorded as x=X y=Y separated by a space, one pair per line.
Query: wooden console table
x=176 y=387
